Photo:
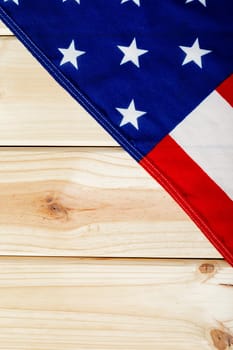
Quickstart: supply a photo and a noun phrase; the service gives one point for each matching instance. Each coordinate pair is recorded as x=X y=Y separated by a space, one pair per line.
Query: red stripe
x=206 y=203
x=226 y=90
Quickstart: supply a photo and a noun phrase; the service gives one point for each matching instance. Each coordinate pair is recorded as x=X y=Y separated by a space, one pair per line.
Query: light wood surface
x=35 y=110
x=89 y=202
x=57 y=203
x=4 y=30
x=71 y=304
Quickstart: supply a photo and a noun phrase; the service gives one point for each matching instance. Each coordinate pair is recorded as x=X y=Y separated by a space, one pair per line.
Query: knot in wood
x=54 y=208
x=206 y=268
x=57 y=210
x=222 y=340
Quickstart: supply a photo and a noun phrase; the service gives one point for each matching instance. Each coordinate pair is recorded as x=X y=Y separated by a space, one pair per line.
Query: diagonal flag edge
x=145 y=161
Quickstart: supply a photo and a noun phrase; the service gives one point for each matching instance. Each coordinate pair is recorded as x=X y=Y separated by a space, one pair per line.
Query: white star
x=137 y=2
x=78 y=1
x=203 y=2
x=132 y=53
x=194 y=53
x=70 y=55
x=15 y=1
x=130 y=115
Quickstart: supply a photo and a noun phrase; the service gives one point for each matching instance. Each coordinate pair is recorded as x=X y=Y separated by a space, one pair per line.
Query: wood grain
x=95 y=202
x=73 y=304
x=35 y=110
x=89 y=202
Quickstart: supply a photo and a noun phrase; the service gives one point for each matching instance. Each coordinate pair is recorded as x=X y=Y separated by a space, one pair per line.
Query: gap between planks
x=35 y=110
x=115 y=304
x=95 y=202
x=90 y=202
x=106 y=303
x=4 y=31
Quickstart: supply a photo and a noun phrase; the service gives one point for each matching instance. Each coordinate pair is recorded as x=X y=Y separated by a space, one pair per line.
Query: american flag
x=157 y=75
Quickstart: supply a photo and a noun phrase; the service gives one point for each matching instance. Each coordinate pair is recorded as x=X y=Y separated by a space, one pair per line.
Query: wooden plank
x=89 y=202
x=72 y=304
x=35 y=110
x=4 y=30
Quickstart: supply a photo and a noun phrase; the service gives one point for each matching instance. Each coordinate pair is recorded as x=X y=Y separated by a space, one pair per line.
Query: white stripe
x=207 y=136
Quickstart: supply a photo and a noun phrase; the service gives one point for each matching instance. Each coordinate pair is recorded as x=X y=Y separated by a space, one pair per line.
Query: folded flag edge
x=164 y=162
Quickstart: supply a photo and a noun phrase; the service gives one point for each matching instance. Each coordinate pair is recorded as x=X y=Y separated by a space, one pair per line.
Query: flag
x=157 y=75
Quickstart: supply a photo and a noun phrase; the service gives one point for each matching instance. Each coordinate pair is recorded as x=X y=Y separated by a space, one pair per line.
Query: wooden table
x=94 y=253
